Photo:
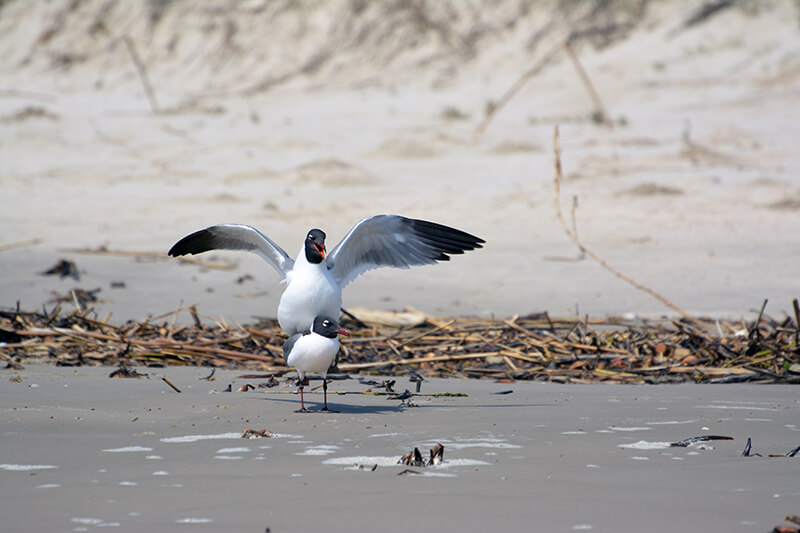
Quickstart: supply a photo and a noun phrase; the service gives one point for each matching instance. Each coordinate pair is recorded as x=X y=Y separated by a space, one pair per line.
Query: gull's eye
x=326 y=323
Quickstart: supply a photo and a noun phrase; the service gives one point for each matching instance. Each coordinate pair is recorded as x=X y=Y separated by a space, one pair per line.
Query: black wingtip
x=175 y=251
x=448 y=240
x=197 y=242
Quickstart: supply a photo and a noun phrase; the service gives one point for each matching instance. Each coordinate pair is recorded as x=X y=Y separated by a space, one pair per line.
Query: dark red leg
x=302 y=403
x=325 y=396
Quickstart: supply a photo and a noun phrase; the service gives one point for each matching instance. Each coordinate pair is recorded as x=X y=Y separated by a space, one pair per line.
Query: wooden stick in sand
x=557 y=176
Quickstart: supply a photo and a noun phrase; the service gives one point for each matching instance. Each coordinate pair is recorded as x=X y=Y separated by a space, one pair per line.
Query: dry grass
x=519 y=348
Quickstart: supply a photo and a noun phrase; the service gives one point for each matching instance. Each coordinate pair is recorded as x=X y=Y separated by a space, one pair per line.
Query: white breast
x=311 y=291
x=313 y=353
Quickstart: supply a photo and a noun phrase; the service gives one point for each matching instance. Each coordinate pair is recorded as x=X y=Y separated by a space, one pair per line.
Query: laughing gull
x=314 y=280
x=314 y=351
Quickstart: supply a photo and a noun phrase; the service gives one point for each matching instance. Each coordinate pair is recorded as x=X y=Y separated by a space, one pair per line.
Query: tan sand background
x=289 y=115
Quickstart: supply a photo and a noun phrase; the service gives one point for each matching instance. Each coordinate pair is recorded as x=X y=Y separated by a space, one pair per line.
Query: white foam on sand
x=222 y=436
x=461 y=462
x=618 y=428
x=233 y=450
x=194 y=521
x=129 y=449
x=737 y=407
x=87 y=521
x=481 y=444
x=195 y=438
x=428 y=473
x=323 y=449
x=369 y=461
x=25 y=468
x=362 y=460
x=645 y=445
x=459 y=443
x=670 y=422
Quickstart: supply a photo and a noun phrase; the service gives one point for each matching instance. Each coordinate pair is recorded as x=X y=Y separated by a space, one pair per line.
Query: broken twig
x=557 y=177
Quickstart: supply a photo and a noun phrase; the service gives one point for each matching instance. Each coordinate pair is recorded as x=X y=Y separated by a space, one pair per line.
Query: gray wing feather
x=234 y=237
x=395 y=241
x=289 y=344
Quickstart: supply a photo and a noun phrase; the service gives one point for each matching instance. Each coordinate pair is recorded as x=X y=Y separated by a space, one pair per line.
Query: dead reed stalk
x=141 y=70
x=557 y=177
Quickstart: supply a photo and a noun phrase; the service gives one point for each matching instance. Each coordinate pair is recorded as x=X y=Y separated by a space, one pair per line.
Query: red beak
x=342 y=331
x=321 y=249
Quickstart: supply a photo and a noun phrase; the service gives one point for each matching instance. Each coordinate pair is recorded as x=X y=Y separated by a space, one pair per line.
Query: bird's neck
x=302 y=263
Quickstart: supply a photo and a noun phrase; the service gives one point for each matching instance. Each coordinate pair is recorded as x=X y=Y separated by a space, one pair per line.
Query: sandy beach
x=693 y=192
x=134 y=455
x=126 y=126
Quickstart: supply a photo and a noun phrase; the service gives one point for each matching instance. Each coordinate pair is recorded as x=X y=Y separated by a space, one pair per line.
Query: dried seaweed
x=535 y=347
x=257 y=434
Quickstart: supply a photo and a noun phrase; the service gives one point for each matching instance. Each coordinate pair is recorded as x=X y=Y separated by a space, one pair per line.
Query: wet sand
x=81 y=451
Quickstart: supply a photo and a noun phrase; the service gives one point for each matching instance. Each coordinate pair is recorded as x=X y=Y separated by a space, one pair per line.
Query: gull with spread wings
x=315 y=279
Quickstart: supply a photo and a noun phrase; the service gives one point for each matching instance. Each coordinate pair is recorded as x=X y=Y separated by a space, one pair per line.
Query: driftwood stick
x=517 y=348
x=141 y=70
x=168 y=382
x=528 y=74
x=557 y=176
x=587 y=82
x=757 y=323
x=436 y=359
x=509 y=94
x=19 y=244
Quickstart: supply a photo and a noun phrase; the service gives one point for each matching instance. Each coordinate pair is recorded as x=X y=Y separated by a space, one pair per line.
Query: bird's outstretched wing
x=395 y=241
x=234 y=237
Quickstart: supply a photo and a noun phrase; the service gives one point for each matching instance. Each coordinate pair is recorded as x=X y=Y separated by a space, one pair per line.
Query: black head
x=328 y=327
x=315 y=246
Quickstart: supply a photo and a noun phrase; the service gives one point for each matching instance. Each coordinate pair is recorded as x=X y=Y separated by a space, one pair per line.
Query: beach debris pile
x=794 y=519
x=414 y=457
x=63 y=268
x=535 y=347
x=748 y=451
x=257 y=434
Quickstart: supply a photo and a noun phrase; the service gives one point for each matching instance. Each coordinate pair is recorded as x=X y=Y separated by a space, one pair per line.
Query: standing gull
x=314 y=281
x=314 y=351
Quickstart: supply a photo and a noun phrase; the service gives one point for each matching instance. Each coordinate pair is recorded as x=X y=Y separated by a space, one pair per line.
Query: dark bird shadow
x=315 y=407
